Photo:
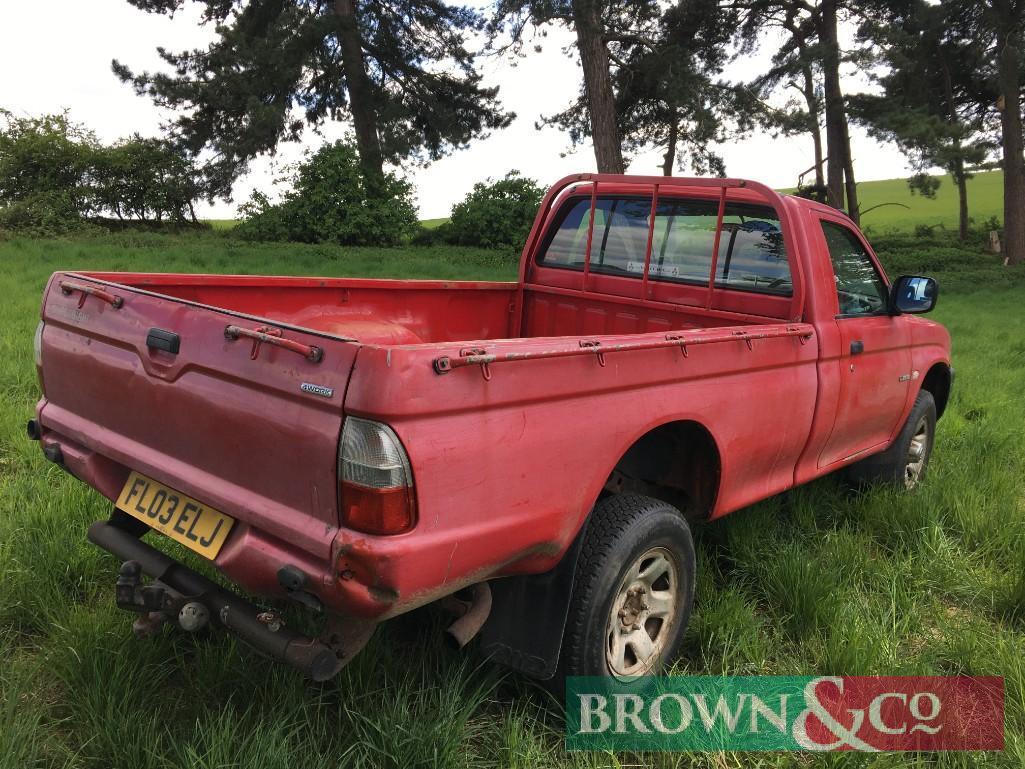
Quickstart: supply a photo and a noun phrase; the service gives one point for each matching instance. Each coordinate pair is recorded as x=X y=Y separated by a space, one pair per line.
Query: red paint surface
x=505 y=469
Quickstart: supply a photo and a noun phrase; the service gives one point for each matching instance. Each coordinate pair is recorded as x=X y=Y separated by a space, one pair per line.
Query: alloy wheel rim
x=917 y=454
x=643 y=615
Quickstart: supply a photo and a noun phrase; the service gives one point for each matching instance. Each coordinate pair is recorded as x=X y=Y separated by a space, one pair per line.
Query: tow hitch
x=157 y=602
x=191 y=601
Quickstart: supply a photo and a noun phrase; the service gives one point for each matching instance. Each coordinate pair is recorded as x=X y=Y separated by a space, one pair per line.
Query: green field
x=820 y=580
x=985 y=201
x=228 y=224
x=221 y=224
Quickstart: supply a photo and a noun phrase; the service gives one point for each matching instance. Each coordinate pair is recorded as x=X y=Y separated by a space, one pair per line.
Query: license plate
x=182 y=518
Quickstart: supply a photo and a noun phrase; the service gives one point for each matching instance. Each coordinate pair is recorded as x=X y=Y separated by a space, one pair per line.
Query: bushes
x=333 y=201
x=148 y=180
x=44 y=173
x=42 y=213
x=963 y=267
x=495 y=214
x=55 y=177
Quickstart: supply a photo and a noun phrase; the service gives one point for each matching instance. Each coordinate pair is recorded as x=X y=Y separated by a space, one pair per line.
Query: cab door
x=875 y=354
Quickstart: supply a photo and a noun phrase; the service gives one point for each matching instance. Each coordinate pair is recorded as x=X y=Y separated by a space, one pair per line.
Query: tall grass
x=819 y=580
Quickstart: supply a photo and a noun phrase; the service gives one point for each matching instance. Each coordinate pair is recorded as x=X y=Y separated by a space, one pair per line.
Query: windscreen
x=751 y=257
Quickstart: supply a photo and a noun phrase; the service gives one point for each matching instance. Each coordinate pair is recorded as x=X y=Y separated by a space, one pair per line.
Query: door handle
x=857 y=347
x=159 y=339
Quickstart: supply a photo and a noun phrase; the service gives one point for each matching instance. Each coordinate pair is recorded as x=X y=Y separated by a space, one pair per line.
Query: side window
x=859 y=287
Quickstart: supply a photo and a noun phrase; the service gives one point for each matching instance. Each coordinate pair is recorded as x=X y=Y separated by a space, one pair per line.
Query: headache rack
x=653 y=185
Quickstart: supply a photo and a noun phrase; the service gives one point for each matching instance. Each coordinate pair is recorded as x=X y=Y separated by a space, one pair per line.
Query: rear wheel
x=904 y=464
x=633 y=592
x=644 y=614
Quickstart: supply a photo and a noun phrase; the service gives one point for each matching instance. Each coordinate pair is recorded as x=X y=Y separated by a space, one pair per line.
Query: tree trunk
x=813 y=125
x=853 y=209
x=957 y=169
x=835 y=118
x=962 y=200
x=1014 y=155
x=669 y=159
x=820 y=179
x=810 y=97
x=601 y=102
x=357 y=84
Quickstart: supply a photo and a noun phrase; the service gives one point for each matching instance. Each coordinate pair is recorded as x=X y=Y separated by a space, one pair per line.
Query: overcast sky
x=56 y=54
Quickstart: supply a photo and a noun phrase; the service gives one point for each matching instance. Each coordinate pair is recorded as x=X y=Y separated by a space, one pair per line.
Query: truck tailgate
x=251 y=429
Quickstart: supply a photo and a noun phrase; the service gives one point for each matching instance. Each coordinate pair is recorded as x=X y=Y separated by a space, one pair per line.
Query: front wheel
x=904 y=464
x=633 y=592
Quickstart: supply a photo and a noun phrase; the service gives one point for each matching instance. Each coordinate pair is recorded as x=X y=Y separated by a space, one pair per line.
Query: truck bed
x=387 y=312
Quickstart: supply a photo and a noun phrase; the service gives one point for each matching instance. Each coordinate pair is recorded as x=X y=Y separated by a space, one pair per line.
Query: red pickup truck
x=531 y=454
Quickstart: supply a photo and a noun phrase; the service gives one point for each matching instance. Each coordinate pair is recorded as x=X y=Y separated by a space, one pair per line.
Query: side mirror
x=913 y=294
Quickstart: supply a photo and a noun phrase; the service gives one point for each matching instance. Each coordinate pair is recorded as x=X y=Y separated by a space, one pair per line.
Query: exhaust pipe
x=463 y=630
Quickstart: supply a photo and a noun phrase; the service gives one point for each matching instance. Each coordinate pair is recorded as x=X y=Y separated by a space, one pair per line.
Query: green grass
x=985 y=200
x=224 y=225
x=819 y=580
x=229 y=224
x=430 y=224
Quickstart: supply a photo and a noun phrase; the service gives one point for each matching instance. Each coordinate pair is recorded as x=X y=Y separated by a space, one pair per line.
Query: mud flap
x=528 y=617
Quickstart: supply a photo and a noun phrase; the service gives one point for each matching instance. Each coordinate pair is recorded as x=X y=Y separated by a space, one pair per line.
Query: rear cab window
x=751 y=255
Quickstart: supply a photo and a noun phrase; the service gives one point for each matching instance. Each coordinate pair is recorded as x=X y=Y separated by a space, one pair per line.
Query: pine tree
x=600 y=26
x=997 y=29
x=399 y=69
x=818 y=21
x=670 y=94
x=796 y=65
x=934 y=103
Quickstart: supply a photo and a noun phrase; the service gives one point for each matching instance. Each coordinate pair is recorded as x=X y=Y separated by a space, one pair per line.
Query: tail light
x=376 y=483
x=37 y=352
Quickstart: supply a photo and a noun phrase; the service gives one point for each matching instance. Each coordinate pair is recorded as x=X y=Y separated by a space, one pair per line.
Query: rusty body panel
x=506 y=460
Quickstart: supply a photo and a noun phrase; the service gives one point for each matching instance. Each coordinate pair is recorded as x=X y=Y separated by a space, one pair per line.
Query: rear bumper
x=347 y=573
x=255 y=552
x=235 y=614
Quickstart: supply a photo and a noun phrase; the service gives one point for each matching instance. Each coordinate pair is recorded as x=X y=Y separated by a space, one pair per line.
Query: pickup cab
x=532 y=455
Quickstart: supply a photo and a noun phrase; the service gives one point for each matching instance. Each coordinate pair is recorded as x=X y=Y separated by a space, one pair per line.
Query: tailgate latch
x=68 y=288
x=594 y=344
x=272 y=336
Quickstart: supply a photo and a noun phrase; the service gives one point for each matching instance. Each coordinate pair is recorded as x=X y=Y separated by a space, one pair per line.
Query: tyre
x=904 y=464
x=633 y=592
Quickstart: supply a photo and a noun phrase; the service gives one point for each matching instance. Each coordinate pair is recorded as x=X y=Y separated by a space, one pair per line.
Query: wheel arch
x=937 y=382
x=677 y=461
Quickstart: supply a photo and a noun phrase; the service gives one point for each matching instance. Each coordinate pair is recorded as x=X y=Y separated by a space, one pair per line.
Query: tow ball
x=157 y=603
